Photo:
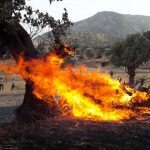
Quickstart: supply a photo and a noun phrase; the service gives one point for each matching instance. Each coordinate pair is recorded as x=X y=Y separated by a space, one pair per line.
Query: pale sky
x=81 y=9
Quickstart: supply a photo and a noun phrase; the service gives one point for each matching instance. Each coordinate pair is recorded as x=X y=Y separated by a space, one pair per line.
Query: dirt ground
x=10 y=99
x=8 y=104
x=68 y=133
x=74 y=134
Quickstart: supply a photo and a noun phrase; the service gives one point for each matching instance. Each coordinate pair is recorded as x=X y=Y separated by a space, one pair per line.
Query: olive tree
x=18 y=41
x=131 y=53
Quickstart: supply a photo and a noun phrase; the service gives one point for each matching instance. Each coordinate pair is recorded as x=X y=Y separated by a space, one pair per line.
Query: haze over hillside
x=106 y=27
x=113 y=24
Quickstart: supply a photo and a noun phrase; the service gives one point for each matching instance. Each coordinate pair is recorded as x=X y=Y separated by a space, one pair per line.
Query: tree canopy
x=14 y=38
x=131 y=53
x=14 y=11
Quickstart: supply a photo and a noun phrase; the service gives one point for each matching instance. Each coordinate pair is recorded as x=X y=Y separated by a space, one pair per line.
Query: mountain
x=104 y=28
x=112 y=24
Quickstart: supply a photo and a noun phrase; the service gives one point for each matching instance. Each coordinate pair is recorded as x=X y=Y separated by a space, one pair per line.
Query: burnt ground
x=69 y=133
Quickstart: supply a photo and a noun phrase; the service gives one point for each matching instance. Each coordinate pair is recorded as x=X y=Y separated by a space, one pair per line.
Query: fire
x=79 y=91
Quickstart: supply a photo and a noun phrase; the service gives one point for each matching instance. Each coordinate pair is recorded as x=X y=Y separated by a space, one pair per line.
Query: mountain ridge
x=106 y=27
x=113 y=24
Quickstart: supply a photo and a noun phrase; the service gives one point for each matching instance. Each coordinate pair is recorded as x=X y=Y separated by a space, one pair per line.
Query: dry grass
x=20 y=84
x=118 y=72
x=69 y=134
x=140 y=73
x=75 y=134
x=95 y=64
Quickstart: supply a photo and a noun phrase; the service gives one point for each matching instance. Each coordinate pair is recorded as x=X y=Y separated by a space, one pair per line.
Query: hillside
x=104 y=28
x=113 y=24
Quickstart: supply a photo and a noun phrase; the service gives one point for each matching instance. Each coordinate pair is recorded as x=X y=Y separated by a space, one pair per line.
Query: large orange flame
x=79 y=91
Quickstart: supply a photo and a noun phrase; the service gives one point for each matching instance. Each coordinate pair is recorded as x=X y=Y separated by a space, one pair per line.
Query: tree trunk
x=131 y=73
x=18 y=41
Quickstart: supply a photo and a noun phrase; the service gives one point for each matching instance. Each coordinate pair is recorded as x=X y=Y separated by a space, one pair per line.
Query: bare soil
x=8 y=105
x=68 y=133
x=74 y=134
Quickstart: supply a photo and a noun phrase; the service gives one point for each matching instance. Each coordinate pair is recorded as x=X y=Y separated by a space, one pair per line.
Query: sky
x=82 y=9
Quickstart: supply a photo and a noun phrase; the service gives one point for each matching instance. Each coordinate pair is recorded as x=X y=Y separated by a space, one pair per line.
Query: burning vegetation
x=78 y=91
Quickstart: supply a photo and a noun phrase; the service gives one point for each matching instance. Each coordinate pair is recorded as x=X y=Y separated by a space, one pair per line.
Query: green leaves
x=16 y=11
x=10 y=10
x=131 y=52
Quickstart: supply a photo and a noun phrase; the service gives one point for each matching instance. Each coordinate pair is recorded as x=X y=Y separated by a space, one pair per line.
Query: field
x=142 y=72
x=69 y=133
x=10 y=99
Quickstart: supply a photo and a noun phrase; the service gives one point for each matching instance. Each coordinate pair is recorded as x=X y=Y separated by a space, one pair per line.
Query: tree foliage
x=131 y=52
x=11 y=11
x=16 y=39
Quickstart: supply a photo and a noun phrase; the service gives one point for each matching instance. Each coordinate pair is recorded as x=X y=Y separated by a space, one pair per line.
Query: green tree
x=131 y=53
x=17 y=40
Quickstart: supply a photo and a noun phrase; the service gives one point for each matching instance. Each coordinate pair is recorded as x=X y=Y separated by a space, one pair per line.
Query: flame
x=79 y=91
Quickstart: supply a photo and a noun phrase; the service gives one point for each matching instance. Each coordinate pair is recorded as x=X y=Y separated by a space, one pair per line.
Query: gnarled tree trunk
x=18 y=41
x=131 y=73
